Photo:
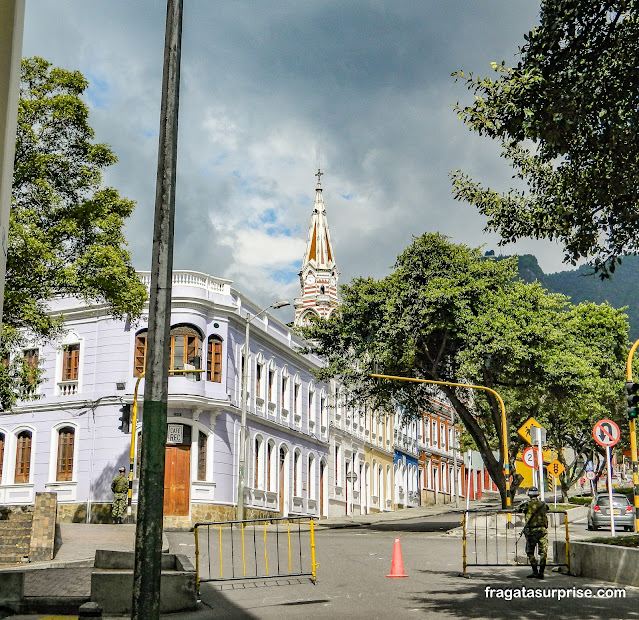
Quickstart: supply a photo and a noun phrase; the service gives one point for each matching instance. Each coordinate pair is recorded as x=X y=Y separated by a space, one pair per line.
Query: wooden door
x=282 y=479
x=321 y=510
x=177 y=480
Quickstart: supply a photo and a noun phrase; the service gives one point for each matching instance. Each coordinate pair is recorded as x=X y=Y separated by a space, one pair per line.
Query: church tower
x=319 y=274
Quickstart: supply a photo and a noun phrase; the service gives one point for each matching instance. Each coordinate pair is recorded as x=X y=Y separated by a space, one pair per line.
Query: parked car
x=599 y=512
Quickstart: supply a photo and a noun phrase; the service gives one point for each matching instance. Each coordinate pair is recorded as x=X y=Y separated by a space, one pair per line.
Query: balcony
x=67 y=388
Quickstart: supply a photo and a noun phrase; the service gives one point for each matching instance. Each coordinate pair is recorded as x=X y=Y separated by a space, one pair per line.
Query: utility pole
x=148 y=533
x=11 y=28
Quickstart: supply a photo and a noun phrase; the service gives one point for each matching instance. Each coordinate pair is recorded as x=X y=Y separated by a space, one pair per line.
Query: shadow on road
x=468 y=598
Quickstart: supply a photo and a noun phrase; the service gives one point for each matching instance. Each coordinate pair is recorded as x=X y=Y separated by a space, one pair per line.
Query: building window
x=297 y=472
x=311 y=406
x=201 y=456
x=284 y=392
x=296 y=398
x=311 y=477
x=23 y=457
x=31 y=366
x=1 y=454
x=270 y=464
x=66 y=439
x=185 y=349
x=323 y=411
x=258 y=380
x=70 y=362
x=214 y=360
x=271 y=381
x=139 y=356
x=257 y=476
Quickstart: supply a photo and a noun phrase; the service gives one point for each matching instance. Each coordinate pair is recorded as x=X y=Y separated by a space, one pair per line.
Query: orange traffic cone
x=397 y=564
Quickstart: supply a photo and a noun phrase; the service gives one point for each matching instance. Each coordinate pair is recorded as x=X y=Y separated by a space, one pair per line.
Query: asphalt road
x=352 y=582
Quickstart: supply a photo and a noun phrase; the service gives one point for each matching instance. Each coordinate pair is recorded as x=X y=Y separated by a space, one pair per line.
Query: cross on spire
x=319 y=176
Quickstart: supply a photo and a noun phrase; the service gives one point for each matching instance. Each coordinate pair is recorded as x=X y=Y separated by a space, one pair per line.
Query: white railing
x=68 y=388
x=192 y=278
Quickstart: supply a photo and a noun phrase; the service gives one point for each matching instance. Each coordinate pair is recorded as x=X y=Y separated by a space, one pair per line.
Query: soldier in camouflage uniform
x=536 y=531
x=120 y=488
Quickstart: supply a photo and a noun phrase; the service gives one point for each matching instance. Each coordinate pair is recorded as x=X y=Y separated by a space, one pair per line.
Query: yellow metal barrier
x=298 y=543
x=496 y=538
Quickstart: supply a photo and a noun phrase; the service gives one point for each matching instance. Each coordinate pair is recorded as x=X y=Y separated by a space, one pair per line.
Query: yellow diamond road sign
x=555 y=468
x=524 y=431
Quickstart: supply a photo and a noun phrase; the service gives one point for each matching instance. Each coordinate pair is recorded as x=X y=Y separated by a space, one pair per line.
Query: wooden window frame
x=256 y=470
x=189 y=341
x=24 y=441
x=214 y=359
x=271 y=381
x=64 y=461
x=284 y=389
x=71 y=362
x=202 y=442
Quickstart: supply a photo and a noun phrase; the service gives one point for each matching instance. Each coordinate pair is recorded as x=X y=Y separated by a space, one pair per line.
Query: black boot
x=542 y=566
x=535 y=572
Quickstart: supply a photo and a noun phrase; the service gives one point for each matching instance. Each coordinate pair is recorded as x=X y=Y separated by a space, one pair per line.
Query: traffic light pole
x=503 y=418
x=633 y=441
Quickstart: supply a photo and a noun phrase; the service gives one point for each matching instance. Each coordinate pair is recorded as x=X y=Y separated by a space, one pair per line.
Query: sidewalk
x=407 y=513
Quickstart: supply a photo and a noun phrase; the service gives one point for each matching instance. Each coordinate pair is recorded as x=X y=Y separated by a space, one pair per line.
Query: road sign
x=524 y=431
x=606 y=433
x=555 y=468
x=590 y=474
x=589 y=466
x=529 y=457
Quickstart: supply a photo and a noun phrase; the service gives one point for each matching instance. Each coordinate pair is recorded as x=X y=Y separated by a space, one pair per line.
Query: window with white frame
x=442 y=436
x=258 y=459
x=271 y=388
x=311 y=405
x=297 y=473
x=297 y=398
x=68 y=383
x=259 y=376
x=285 y=394
x=65 y=452
x=22 y=472
x=434 y=435
x=312 y=488
x=271 y=466
x=323 y=416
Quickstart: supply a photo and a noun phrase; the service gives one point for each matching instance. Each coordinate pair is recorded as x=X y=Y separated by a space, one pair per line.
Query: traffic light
x=632 y=400
x=125 y=418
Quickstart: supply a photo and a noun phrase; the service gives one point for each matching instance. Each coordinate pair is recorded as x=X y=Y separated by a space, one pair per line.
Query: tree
x=65 y=233
x=447 y=314
x=566 y=117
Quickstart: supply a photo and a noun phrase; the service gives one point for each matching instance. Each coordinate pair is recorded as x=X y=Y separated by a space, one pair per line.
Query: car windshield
x=616 y=500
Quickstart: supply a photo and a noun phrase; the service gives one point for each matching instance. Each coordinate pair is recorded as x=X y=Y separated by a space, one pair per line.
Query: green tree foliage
x=566 y=117
x=447 y=314
x=65 y=235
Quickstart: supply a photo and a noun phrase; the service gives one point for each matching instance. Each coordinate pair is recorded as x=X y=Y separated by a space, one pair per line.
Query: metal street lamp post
x=242 y=463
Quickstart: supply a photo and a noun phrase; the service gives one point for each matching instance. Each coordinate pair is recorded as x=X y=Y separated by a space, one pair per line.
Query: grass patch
x=580 y=501
x=619 y=541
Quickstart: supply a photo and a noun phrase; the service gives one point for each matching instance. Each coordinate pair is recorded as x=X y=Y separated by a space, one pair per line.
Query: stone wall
x=43 y=527
x=77 y=513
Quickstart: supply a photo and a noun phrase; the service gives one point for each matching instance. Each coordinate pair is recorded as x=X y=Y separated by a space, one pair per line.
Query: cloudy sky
x=269 y=91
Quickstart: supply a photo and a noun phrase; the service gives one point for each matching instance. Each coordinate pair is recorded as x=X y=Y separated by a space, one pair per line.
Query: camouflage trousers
x=537 y=536
x=119 y=505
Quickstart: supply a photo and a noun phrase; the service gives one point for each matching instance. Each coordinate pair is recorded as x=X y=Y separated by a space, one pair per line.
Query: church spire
x=319 y=273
